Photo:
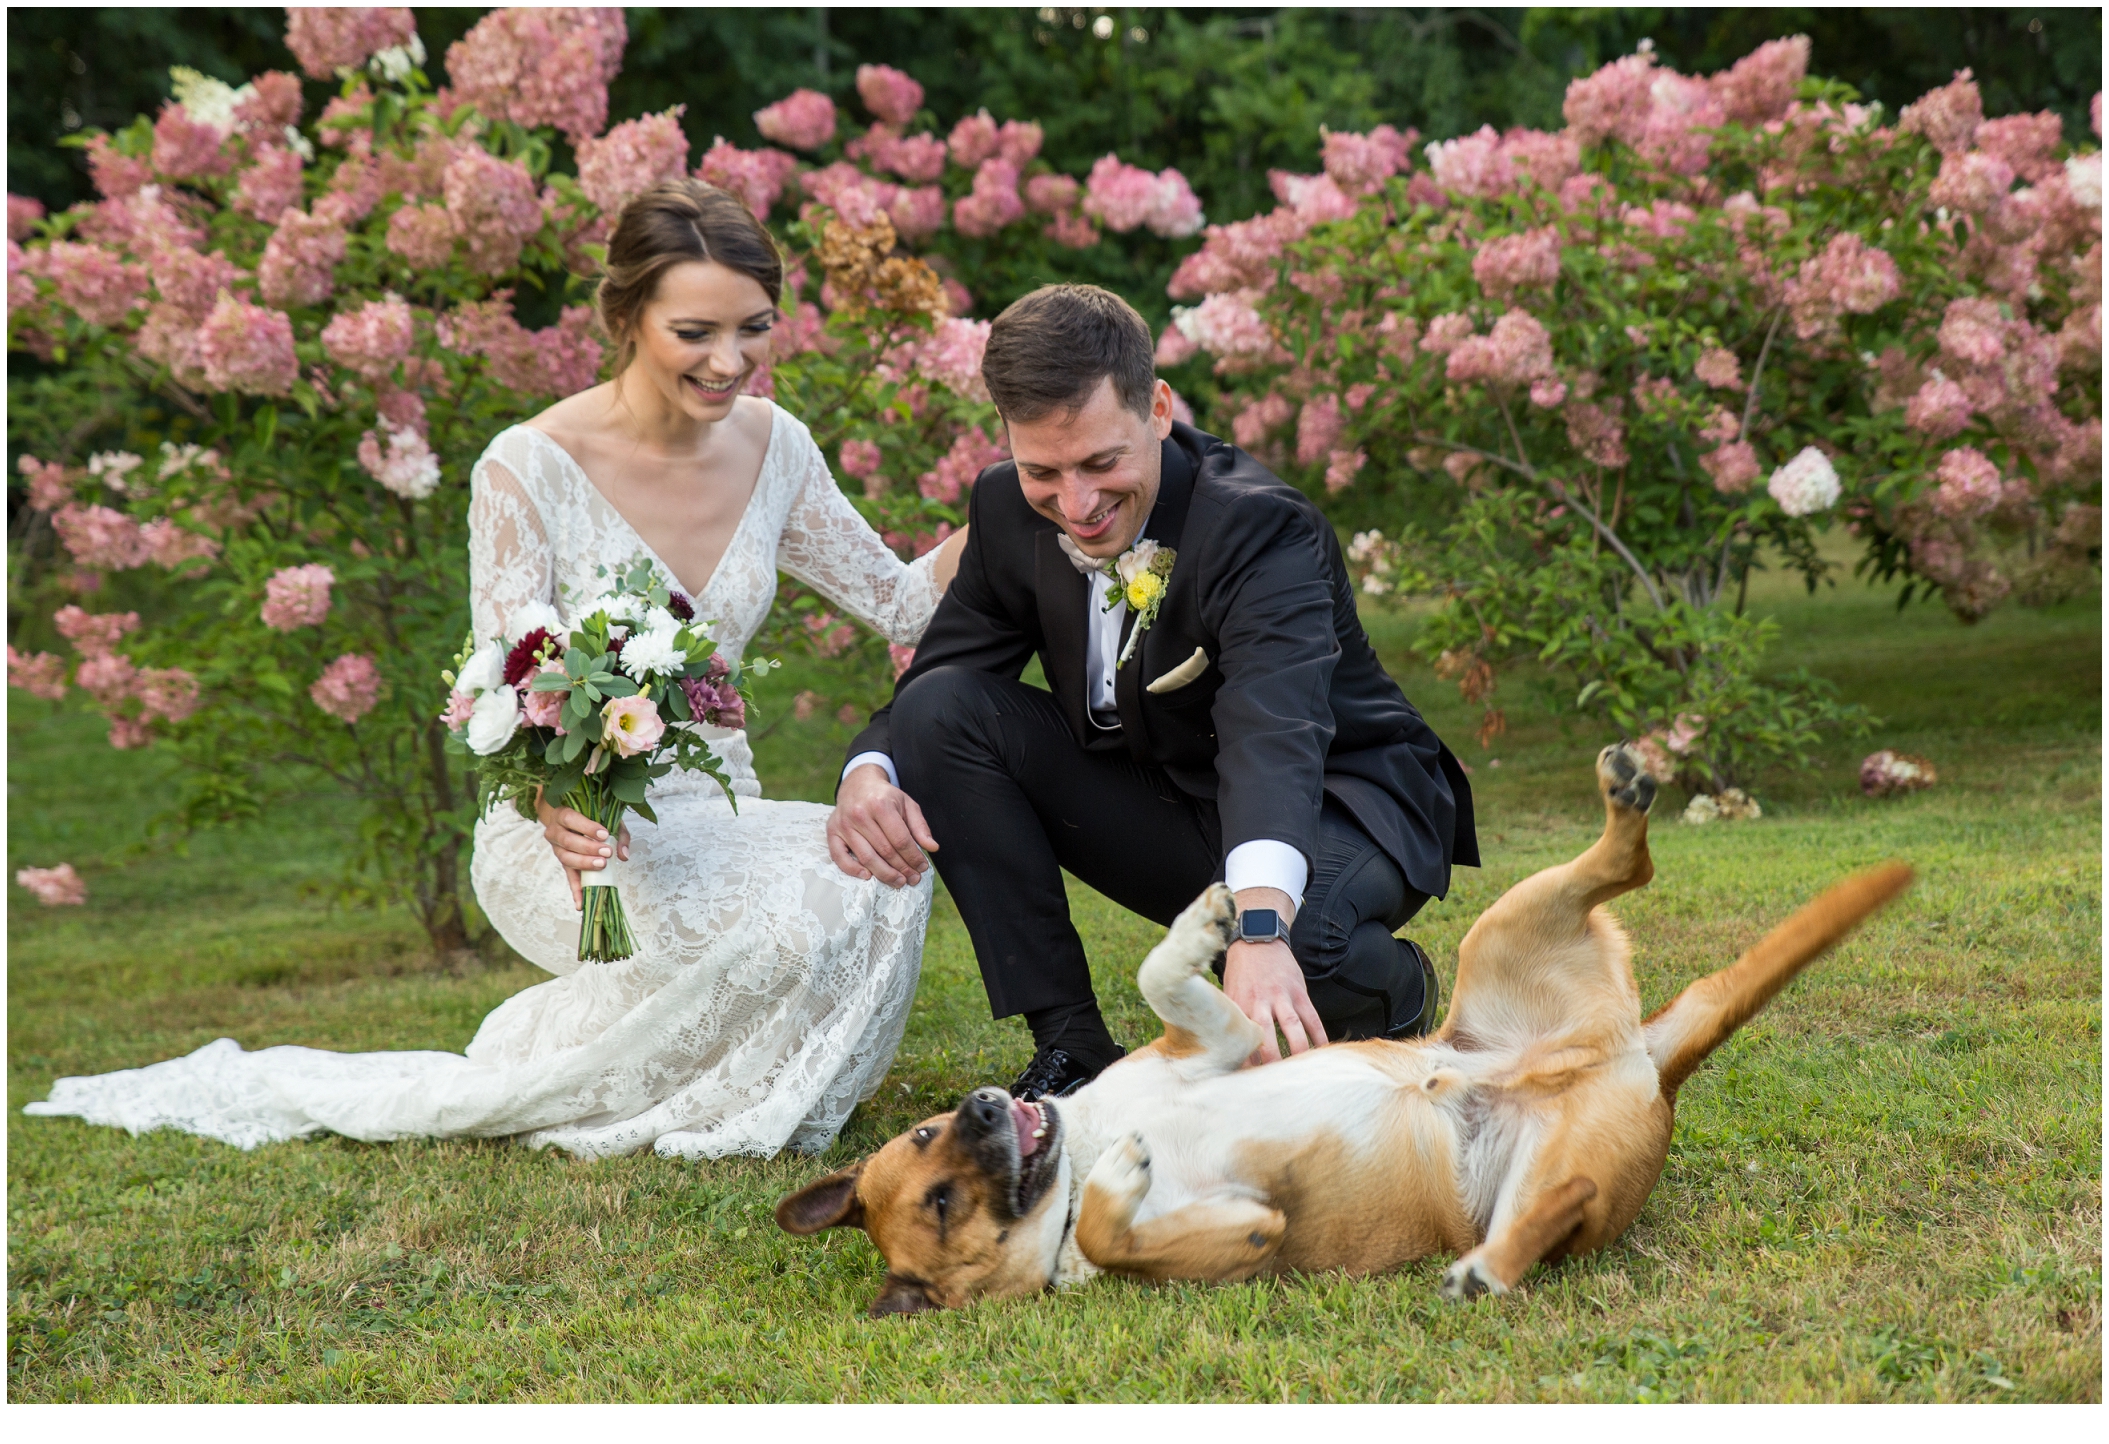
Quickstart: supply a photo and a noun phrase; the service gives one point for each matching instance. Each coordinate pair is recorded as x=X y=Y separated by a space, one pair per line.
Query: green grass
x=1887 y=1187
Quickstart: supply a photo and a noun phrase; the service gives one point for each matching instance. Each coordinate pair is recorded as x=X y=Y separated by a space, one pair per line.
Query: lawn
x=1888 y=1187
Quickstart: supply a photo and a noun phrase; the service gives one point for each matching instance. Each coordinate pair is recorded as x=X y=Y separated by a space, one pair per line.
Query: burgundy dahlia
x=521 y=661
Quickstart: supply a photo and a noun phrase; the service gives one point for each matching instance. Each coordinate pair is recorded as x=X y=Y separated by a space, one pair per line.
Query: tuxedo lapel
x=1064 y=595
x=1175 y=494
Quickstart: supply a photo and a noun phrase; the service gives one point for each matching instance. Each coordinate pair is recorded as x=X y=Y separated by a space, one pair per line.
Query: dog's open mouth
x=1039 y=1131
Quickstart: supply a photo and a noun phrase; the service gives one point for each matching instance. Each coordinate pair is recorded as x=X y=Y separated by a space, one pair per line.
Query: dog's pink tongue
x=1025 y=1121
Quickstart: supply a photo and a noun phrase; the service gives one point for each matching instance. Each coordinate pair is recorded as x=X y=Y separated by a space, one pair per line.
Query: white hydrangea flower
x=206 y=100
x=2084 y=174
x=1805 y=485
x=396 y=62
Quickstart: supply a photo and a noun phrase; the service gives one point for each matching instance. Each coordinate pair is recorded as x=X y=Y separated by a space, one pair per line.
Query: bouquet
x=589 y=716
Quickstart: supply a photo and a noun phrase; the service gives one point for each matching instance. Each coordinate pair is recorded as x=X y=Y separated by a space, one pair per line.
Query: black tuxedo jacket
x=1293 y=705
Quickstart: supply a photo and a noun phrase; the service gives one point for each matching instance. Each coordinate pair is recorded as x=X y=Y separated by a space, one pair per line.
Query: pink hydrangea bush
x=1815 y=316
x=54 y=887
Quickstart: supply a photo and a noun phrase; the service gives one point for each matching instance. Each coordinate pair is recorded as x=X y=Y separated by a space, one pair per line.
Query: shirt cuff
x=1262 y=862
x=882 y=760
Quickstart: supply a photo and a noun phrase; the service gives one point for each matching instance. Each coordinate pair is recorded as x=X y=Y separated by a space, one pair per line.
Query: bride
x=769 y=989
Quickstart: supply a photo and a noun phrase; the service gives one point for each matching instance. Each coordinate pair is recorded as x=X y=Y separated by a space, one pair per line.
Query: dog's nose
x=983 y=1110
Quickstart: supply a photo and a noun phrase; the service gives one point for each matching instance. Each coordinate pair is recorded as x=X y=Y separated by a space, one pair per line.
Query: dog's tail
x=1681 y=1035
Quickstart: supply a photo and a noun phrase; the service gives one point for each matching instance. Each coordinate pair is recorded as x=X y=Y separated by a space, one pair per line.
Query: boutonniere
x=1139 y=576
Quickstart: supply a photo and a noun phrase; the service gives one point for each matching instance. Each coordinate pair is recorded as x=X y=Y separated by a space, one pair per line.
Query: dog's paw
x=1124 y=1169
x=1206 y=928
x=1468 y=1278
x=1624 y=777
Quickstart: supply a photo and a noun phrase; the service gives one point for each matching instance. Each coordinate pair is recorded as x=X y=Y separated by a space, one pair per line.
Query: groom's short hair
x=1049 y=349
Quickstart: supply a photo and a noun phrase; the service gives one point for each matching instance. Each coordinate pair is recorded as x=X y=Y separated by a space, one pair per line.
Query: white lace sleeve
x=510 y=562
x=828 y=546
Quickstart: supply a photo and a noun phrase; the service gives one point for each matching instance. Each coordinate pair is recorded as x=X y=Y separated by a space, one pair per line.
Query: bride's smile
x=699 y=340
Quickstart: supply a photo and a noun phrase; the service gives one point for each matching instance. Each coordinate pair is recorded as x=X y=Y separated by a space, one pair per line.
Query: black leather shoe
x=1053 y=1073
x=1423 y=1022
x=1396 y=998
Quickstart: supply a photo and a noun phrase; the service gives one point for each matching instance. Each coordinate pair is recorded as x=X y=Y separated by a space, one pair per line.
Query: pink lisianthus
x=541 y=66
x=371 y=340
x=802 y=120
x=54 y=887
x=41 y=675
x=891 y=95
x=1970 y=484
x=97 y=536
x=297 y=597
x=348 y=687
x=95 y=283
x=755 y=176
x=248 y=349
x=974 y=140
x=632 y=158
x=329 y=38
x=971 y=453
x=1318 y=428
x=631 y=725
x=93 y=634
x=539 y=709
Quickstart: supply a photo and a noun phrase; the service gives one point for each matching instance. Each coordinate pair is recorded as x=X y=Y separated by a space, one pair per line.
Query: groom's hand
x=1266 y=982
x=876 y=830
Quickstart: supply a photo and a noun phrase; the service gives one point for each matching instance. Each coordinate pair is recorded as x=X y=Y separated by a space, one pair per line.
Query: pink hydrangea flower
x=1717 y=367
x=422 y=235
x=271 y=185
x=971 y=453
x=1523 y=261
x=96 y=536
x=1971 y=181
x=802 y=120
x=115 y=174
x=974 y=140
x=917 y=212
x=1548 y=393
x=1970 y=485
x=1549 y=160
x=1762 y=85
x=857 y=198
x=917 y=158
x=1228 y=324
x=557 y=360
x=93 y=634
x=861 y=458
x=1516 y=352
x=23 y=213
x=537 y=66
x=1848 y=276
x=41 y=675
x=755 y=176
x=166 y=694
x=2026 y=143
x=1939 y=409
x=994 y=202
x=1311 y=200
x=408 y=467
x=1681 y=111
x=248 y=349
x=107 y=677
x=297 y=597
x=1072 y=230
x=891 y=95
x=630 y=159
x=371 y=340
x=1051 y=195
x=902 y=658
x=185 y=147
x=1233 y=257
x=1174 y=347
x=1734 y=468
x=100 y=287
x=348 y=687
x=171 y=545
x=1360 y=164
x=329 y=38
x=495 y=207
x=1596 y=432
x=274 y=102
x=1318 y=428
x=1018 y=141
x=1124 y=196
x=300 y=260
x=1446 y=333
x=1342 y=467
x=952 y=356
x=1947 y=117
x=1973 y=331
x=1613 y=103
x=1472 y=165
x=1252 y=425
x=54 y=887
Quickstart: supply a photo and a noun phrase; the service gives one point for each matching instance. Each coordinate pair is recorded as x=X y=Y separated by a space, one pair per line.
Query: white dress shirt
x=1263 y=862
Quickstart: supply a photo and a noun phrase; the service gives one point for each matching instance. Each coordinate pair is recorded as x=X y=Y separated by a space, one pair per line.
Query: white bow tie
x=1089 y=566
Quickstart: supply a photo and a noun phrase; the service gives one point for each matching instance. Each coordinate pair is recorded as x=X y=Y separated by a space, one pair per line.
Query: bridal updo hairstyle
x=676 y=221
x=1049 y=349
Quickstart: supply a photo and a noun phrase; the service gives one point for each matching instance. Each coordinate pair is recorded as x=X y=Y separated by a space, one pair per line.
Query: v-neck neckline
x=739 y=529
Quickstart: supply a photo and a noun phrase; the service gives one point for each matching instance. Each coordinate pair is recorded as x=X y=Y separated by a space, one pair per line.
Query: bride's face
x=701 y=336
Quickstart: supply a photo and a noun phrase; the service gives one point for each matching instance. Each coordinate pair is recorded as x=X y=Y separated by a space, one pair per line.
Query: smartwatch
x=1261 y=925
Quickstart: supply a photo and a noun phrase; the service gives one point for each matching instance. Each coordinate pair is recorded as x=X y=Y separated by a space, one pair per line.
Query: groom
x=1234 y=725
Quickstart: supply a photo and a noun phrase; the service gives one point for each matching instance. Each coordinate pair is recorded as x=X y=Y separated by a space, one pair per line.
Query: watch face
x=1258 y=925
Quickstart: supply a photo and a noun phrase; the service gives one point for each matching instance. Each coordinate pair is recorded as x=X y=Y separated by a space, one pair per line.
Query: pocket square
x=1180 y=675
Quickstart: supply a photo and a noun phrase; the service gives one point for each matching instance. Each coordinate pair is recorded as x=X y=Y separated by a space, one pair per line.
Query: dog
x=1532 y=1126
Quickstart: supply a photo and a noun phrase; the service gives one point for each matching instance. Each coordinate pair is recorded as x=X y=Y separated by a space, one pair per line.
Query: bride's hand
x=580 y=843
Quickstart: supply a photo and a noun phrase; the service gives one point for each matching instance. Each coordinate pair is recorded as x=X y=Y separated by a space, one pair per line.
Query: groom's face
x=1094 y=471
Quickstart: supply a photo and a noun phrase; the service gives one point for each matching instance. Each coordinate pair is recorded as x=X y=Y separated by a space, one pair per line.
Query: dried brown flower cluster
x=863 y=273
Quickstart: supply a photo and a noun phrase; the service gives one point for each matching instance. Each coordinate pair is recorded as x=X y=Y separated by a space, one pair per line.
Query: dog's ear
x=830 y=1203
x=898 y=1295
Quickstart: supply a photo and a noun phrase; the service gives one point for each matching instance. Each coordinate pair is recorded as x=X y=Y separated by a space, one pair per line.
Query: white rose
x=653 y=653
x=529 y=617
x=483 y=671
x=1805 y=485
x=493 y=720
x=1136 y=560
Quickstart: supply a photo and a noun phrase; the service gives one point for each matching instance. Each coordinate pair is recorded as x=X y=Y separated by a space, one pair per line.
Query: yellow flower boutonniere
x=1140 y=576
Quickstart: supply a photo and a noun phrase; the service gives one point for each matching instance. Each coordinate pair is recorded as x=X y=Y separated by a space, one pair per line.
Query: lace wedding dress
x=769 y=989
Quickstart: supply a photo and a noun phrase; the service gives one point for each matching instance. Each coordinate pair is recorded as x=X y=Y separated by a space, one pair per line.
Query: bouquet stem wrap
x=604 y=928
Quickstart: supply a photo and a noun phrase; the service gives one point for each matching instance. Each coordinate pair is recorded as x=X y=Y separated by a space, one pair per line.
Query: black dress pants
x=1013 y=800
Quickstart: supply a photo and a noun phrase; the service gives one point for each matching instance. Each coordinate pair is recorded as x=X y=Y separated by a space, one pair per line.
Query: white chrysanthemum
x=2084 y=174
x=483 y=671
x=653 y=653
x=493 y=720
x=1805 y=485
x=529 y=617
x=620 y=607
